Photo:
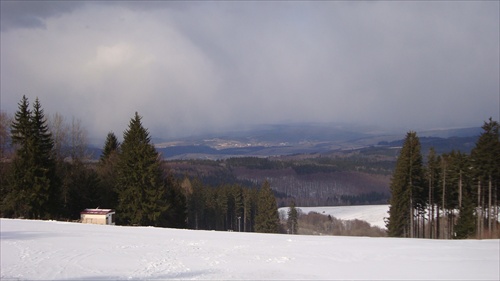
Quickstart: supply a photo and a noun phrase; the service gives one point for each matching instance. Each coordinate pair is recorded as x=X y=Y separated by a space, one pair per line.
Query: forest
x=45 y=174
x=454 y=195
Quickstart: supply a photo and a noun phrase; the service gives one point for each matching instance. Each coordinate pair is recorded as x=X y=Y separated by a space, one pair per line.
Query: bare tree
x=59 y=130
x=5 y=121
x=70 y=140
x=78 y=141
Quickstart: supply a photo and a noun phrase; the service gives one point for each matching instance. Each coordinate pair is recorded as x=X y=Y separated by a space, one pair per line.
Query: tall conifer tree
x=407 y=187
x=110 y=146
x=486 y=163
x=141 y=189
x=267 y=219
x=34 y=183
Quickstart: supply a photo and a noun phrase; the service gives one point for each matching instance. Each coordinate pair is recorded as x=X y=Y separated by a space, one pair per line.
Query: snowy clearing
x=373 y=214
x=74 y=251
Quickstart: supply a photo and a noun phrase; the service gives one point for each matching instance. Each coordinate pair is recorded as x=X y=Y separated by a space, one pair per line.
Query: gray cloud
x=200 y=66
x=32 y=14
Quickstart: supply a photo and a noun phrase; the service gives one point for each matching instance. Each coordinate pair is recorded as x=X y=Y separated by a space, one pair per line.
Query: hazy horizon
x=198 y=67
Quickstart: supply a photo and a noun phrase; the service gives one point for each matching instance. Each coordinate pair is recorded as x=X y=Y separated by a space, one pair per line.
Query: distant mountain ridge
x=271 y=140
x=305 y=138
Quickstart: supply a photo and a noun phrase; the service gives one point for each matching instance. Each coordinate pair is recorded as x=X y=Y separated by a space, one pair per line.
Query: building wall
x=94 y=219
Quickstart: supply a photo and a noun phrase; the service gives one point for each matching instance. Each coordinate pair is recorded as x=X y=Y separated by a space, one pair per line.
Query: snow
x=373 y=214
x=74 y=251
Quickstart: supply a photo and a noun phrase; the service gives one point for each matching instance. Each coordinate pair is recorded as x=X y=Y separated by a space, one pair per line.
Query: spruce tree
x=466 y=221
x=177 y=213
x=237 y=194
x=17 y=197
x=110 y=146
x=196 y=204
x=140 y=186
x=486 y=163
x=33 y=180
x=433 y=184
x=407 y=189
x=267 y=218
x=46 y=181
x=108 y=171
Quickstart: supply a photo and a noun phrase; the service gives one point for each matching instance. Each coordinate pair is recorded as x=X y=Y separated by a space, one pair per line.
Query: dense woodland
x=45 y=175
x=339 y=179
x=455 y=195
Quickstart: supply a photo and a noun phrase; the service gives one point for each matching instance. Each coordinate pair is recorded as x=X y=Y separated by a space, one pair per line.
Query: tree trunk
x=460 y=191
x=451 y=224
x=411 y=218
x=443 y=202
x=431 y=216
x=478 y=230
x=423 y=225
x=489 y=207
x=483 y=215
x=496 y=212
x=437 y=222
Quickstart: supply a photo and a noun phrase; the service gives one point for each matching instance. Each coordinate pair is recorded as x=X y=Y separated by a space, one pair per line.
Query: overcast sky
x=190 y=67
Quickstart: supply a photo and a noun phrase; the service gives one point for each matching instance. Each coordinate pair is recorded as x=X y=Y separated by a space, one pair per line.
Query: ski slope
x=373 y=214
x=52 y=250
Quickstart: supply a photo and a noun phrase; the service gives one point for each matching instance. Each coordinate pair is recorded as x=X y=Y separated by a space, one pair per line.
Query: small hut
x=98 y=216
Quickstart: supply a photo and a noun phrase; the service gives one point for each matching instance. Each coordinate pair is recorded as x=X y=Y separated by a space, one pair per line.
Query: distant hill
x=272 y=140
x=307 y=138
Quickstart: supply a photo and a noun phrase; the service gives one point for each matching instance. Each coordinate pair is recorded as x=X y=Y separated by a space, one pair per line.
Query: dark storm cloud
x=32 y=14
x=195 y=66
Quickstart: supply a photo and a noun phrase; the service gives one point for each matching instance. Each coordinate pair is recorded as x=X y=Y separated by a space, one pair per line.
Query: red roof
x=97 y=211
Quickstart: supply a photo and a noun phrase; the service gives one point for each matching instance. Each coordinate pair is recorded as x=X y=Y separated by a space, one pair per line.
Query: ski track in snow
x=72 y=251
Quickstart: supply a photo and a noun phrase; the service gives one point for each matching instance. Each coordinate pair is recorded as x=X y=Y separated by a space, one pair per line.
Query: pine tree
x=15 y=201
x=466 y=221
x=196 y=204
x=455 y=183
x=46 y=181
x=140 y=185
x=108 y=171
x=177 y=213
x=5 y=141
x=433 y=183
x=407 y=189
x=237 y=195
x=267 y=219
x=292 y=221
x=111 y=146
x=486 y=163
x=34 y=183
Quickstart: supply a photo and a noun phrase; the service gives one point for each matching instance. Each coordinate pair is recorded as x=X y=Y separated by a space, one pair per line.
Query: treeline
x=230 y=207
x=311 y=180
x=455 y=195
x=315 y=165
x=314 y=223
x=45 y=176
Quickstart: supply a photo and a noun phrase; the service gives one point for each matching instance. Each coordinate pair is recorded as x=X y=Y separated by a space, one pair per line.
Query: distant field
x=373 y=214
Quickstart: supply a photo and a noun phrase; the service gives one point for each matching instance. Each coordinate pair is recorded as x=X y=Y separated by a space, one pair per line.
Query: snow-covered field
x=373 y=214
x=73 y=251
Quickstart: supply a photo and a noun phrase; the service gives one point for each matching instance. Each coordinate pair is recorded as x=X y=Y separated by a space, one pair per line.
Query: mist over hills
x=288 y=139
x=316 y=164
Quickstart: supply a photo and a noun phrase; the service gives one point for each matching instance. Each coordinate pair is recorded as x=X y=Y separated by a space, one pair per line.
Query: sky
x=194 y=67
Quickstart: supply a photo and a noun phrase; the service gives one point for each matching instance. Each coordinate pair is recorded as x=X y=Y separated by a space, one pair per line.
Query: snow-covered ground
x=373 y=214
x=73 y=251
